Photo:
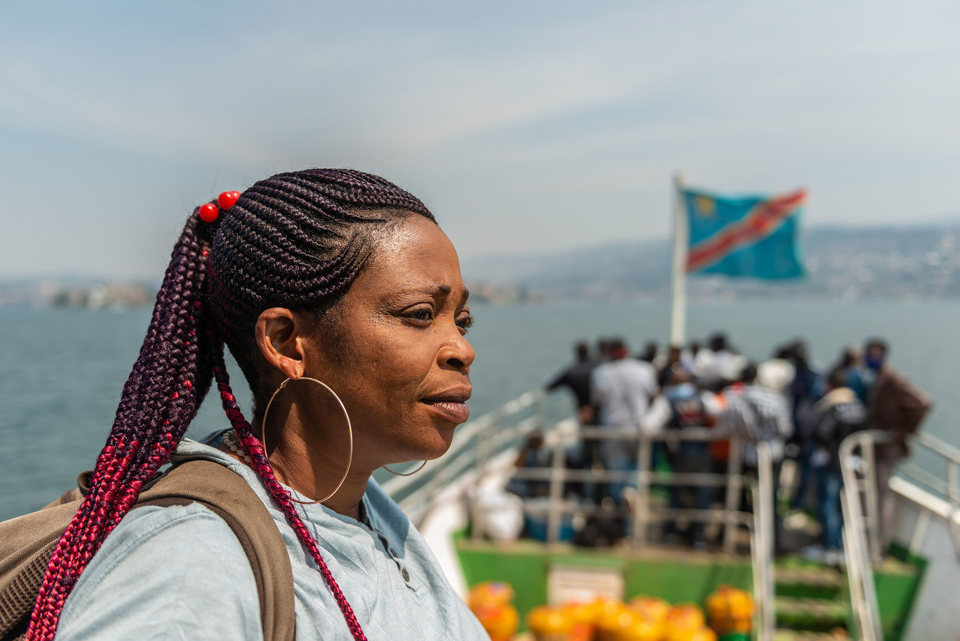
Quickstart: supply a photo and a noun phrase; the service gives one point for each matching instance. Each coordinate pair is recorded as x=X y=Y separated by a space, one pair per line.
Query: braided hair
x=296 y=240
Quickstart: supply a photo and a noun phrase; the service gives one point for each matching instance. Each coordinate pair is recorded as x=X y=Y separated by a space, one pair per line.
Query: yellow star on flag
x=706 y=206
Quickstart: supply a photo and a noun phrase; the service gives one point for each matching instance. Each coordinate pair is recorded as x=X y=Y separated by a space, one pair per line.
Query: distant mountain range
x=908 y=262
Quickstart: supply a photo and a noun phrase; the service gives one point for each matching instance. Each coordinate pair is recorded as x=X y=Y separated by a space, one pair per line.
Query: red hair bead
x=228 y=199
x=209 y=213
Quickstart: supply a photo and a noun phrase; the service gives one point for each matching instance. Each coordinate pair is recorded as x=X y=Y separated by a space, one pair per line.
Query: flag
x=749 y=236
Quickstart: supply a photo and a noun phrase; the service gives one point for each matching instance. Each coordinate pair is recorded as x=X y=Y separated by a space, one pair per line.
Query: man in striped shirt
x=755 y=413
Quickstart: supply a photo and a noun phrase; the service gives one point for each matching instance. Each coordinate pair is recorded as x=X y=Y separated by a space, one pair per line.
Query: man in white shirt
x=623 y=390
x=717 y=364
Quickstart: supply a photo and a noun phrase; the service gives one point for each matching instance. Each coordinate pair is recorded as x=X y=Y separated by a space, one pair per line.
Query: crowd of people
x=800 y=412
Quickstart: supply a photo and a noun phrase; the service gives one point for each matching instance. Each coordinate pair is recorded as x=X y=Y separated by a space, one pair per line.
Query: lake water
x=61 y=371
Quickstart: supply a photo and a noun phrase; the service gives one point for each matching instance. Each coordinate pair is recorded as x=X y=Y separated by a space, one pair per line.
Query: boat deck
x=811 y=602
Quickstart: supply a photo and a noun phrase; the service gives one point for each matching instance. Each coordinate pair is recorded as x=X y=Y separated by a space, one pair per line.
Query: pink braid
x=281 y=497
x=73 y=553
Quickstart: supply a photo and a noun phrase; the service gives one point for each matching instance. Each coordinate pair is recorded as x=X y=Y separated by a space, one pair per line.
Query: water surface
x=61 y=371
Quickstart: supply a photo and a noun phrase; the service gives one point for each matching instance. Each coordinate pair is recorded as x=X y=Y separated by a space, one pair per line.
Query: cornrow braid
x=296 y=240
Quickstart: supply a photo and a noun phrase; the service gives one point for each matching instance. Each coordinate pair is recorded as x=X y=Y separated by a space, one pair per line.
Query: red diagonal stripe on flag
x=762 y=221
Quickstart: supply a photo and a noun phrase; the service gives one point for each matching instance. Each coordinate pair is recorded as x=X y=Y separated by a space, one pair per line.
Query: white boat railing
x=469 y=453
x=861 y=520
x=863 y=513
x=485 y=448
x=942 y=498
x=643 y=513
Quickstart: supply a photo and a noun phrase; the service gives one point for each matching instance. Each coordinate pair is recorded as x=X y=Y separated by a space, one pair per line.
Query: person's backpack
x=840 y=421
x=28 y=541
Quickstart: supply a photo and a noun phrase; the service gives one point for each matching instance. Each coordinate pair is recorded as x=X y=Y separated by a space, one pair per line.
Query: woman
x=343 y=304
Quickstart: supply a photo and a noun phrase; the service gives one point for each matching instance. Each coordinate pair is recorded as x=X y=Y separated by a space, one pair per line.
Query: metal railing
x=643 y=513
x=861 y=534
x=469 y=455
x=863 y=528
x=946 y=489
x=485 y=449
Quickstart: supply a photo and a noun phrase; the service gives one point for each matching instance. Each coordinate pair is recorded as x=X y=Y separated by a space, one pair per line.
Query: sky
x=524 y=126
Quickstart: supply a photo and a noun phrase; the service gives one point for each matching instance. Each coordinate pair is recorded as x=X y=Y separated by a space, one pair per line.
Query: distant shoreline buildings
x=910 y=263
x=94 y=295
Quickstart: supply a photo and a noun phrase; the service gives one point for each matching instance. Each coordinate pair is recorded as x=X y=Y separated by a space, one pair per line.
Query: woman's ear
x=280 y=338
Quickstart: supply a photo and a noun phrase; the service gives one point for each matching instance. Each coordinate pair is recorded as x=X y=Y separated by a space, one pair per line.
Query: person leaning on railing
x=896 y=406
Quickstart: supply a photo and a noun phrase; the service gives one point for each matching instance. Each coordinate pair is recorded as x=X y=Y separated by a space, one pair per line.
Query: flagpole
x=678 y=274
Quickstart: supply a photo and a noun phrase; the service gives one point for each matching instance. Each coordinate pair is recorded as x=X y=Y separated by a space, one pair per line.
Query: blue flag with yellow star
x=750 y=236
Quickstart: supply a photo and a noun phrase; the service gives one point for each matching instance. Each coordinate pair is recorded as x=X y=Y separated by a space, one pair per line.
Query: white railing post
x=642 y=518
x=873 y=507
x=557 y=478
x=734 y=489
x=953 y=496
x=953 y=484
x=856 y=535
x=765 y=536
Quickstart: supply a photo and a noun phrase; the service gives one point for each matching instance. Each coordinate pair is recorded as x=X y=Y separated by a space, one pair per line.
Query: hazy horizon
x=485 y=258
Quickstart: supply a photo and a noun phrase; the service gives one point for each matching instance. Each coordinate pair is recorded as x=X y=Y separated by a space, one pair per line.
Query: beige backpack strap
x=27 y=542
x=228 y=495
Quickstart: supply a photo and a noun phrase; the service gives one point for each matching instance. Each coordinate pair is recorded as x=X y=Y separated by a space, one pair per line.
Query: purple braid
x=159 y=399
x=296 y=240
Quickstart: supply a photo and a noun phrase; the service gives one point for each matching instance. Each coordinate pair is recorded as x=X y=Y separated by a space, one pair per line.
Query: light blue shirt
x=179 y=573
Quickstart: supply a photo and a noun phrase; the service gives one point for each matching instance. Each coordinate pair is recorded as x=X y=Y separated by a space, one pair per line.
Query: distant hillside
x=918 y=262
x=843 y=262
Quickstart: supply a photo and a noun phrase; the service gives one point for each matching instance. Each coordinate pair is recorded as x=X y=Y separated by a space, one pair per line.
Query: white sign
x=583 y=584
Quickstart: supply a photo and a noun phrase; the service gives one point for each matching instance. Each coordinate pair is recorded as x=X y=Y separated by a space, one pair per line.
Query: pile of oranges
x=492 y=602
x=643 y=618
x=730 y=611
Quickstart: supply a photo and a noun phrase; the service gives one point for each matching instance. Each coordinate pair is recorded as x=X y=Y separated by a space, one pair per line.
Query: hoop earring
x=422 y=465
x=263 y=439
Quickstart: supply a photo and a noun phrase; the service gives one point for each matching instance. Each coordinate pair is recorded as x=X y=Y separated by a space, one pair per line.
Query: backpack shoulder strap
x=226 y=494
x=27 y=543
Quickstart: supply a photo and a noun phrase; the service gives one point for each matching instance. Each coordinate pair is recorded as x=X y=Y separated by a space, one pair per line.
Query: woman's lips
x=452 y=410
x=452 y=405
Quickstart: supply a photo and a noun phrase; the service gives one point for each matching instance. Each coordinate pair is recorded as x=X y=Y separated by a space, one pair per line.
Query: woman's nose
x=458 y=352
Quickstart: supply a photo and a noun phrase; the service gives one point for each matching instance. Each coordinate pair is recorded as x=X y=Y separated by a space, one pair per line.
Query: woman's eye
x=424 y=314
x=465 y=323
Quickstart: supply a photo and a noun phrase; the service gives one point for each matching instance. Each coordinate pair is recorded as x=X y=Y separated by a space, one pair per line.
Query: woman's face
x=394 y=349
